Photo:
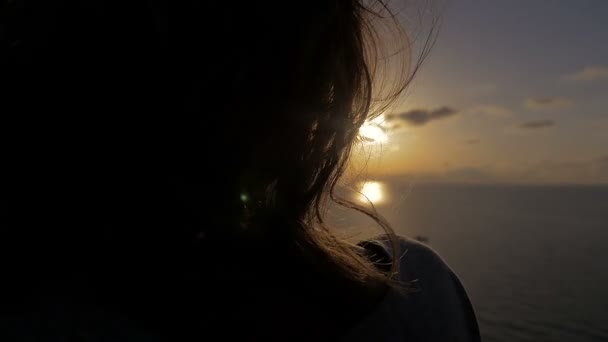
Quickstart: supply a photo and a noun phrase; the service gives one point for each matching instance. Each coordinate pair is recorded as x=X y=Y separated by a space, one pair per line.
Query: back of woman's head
x=167 y=124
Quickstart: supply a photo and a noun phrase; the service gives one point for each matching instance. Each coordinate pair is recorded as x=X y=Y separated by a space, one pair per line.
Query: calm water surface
x=533 y=259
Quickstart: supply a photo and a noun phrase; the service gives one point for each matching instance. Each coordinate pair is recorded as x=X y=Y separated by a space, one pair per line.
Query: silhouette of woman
x=167 y=168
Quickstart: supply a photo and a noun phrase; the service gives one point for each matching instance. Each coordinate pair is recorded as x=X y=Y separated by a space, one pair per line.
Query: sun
x=374 y=134
x=373 y=131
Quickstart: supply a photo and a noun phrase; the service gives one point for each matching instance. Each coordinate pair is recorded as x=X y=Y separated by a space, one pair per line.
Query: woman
x=169 y=168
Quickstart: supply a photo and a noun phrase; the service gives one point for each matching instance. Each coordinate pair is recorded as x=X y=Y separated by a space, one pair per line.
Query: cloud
x=537 y=124
x=420 y=117
x=491 y=110
x=471 y=141
x=548 y=103
x=590 y=73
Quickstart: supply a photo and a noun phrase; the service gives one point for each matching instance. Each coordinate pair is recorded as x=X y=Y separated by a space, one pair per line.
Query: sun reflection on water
x=372 y=191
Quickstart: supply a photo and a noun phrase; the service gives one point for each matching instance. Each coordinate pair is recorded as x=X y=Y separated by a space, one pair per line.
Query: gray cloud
x=420 y=117
x=472 y=141
x=536 y=124
x=590 y=73
x=548 y=103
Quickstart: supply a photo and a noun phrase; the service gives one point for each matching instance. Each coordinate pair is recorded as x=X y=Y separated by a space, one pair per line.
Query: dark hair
x=191 y=122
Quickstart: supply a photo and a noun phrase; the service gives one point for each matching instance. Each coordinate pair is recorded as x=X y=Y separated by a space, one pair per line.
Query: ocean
x=534 y=259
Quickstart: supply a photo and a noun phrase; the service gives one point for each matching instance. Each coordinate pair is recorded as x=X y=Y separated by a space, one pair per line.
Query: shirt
x=433 y=305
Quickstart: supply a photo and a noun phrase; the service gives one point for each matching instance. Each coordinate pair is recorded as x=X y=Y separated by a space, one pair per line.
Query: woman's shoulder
x=417 y=261
x=429 y=302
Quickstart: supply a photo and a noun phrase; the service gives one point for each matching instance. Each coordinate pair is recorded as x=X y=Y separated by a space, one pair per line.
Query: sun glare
x=373 y=131
x=372 y=192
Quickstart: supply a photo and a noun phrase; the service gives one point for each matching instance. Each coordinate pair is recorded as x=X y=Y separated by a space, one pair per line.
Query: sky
x=513 y=91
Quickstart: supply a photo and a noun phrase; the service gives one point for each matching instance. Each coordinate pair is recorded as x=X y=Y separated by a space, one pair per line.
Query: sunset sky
x=513 y=91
